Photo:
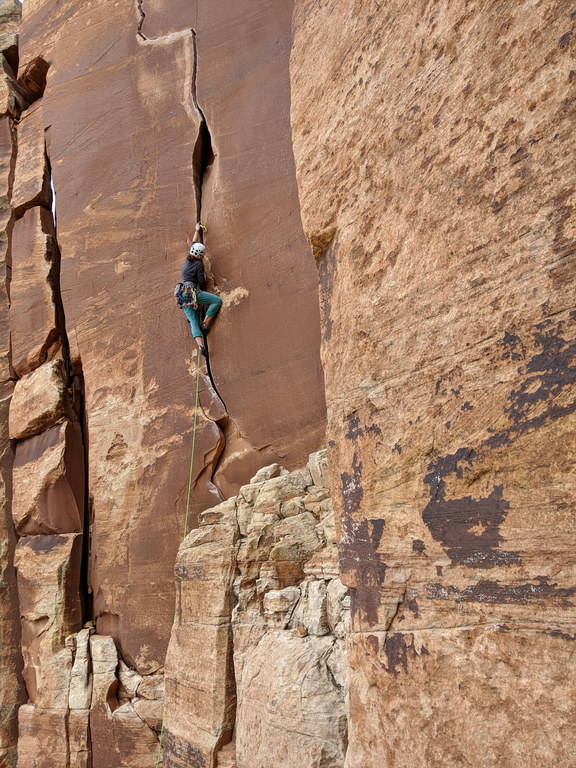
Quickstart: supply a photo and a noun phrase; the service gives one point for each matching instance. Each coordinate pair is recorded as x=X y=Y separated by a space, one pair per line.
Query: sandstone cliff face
x=437 y=192
x=126 y=112
x=143 y=139
x=433 y=146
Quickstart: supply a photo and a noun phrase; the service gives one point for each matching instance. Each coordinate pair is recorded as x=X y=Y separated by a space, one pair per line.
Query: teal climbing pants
x=207 y=301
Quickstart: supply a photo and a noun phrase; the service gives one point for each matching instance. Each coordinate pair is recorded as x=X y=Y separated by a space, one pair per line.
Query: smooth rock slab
x=32 y=308
x=31 y=177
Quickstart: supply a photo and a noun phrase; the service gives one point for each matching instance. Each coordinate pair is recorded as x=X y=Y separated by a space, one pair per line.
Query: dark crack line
x=142 y=15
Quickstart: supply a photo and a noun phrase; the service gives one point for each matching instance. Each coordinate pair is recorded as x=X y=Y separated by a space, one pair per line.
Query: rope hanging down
x=161 y=738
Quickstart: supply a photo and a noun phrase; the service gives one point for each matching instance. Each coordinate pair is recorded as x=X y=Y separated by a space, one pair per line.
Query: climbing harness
x=186 y=294
x=185 y=532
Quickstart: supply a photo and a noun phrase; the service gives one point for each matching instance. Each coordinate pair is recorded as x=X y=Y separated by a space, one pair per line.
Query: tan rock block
x=205 y=568
x=224 y=513
x=10 y=16
x=118 y=735
x=104 y=663
x=266 y=473
x=292 y=712
x=79 y=738
x=129 y=680
x=151 y=711
x=311 y=612
x=278 y=490
x=295 y=540
x=200 y=696
x=43 y=738
x=80 y=693
x=337 y=602
x=31 y=177
x=279 y=606
x=32 y=310
x=6 y=152
x=318 y=468
x=151 y=687
x=48 y=575
x=38 y=402
x=48 y=481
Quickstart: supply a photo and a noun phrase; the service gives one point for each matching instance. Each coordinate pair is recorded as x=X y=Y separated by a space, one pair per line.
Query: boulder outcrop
x=256 y=667
x=436 y=193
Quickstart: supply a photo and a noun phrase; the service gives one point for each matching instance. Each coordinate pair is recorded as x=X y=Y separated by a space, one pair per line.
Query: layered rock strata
x=256 y=667
x=437 y=192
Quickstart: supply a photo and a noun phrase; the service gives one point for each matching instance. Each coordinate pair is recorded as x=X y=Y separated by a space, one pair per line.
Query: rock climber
x=193 y=276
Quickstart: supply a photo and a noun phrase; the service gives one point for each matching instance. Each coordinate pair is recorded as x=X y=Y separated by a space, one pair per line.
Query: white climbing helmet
x=196 y=249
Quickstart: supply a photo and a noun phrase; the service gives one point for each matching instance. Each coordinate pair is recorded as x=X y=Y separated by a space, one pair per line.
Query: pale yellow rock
x=290 y=713
x=318 y=468
x=279 y=605
x=266 y=473
x=80 y=693
x=311 y=612
x=238 y=592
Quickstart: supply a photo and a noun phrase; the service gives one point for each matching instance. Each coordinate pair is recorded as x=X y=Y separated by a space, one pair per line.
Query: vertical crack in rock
x=202 y=159
x=76 y=390
x=203 y=156
x=142 y=15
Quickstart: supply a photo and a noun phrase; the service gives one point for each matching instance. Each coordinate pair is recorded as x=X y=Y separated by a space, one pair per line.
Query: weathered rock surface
x=119 y=735
x=32 y=308
x=12 y=690
x=436 y=192
x=39 y=401
x=48 y=572
x=254 y=660
x=127 y=203
x=31 y=175
x=49 y=482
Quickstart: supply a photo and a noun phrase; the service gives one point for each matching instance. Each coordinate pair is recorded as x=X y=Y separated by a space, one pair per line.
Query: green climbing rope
x=161 y=738
x=193 y=443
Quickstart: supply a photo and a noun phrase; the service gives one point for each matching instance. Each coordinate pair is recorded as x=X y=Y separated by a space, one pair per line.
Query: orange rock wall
x=130 y=127
x=127 y=94
x=434 y=149
x=424 y=154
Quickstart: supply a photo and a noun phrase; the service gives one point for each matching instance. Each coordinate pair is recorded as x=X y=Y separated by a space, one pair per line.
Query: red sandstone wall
x=122 y=120
x=437 y=190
